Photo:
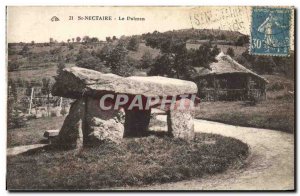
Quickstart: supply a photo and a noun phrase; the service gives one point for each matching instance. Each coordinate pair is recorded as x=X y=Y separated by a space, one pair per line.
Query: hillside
x=202 y=34
x=40 y=61
x=34 y=61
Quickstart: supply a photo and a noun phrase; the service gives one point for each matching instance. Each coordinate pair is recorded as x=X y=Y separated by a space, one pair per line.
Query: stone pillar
x=181 y=120
x=103 y=125
x=71 y=133
x=136 y=122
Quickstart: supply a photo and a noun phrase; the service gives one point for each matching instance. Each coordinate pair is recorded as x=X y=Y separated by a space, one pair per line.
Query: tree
x=73 y=39
x=78 y=39
x=61 y=65
x=25 y=50
x=108 y=39
x=263 y=65
x=116 y=60
x=114 y=38
x=14 y=117
x=223 y=37
x=133 y=44
x=51 y=40
x=163 y=66
x=86 y=39
x=174 y=62
x=32 y=43
x=68 y=40
x=86 y=60
x=230 y=52
x=243 y=39
x=203 y=56
x=91 y=62
x=82 y=54
x=94 y=39
x=146 y=60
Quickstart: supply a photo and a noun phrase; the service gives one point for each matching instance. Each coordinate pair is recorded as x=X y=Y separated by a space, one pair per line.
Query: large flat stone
x=75 y=82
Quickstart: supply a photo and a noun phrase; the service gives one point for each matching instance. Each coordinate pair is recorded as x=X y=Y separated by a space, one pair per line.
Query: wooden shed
x=227 y=80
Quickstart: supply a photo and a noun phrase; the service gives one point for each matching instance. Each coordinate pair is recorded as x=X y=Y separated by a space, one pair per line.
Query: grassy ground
x=277 y=112
x=33 y=132
x=136 y=161
x=271 y=114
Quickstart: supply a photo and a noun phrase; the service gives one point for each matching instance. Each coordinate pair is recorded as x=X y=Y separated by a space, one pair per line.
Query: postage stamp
x=270 y=31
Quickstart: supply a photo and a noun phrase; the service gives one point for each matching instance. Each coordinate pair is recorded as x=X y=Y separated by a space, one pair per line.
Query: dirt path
x=21 y=149
x=270 y=165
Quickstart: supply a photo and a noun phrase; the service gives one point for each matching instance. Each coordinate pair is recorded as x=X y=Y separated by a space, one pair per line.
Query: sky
x=26 y=24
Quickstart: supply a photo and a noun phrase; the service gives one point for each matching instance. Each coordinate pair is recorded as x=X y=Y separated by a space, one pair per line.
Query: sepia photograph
x=165 y=98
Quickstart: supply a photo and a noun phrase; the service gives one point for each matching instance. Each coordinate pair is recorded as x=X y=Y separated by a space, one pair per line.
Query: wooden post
x=248 y=86
x=60 y=104
x=215 y=88
x=264 y=92
x=30 y=103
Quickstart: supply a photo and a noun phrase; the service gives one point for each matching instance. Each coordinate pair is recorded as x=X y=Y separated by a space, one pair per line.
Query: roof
x=225 y=65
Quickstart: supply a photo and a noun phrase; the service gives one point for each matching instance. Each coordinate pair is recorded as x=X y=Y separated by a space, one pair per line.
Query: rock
x=51 y=133
x=75 y=82
x=71 y=133
x=103 y=125
x=136 y=122
x=181 y=121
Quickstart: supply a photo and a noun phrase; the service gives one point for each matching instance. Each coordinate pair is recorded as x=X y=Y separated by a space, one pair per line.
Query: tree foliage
x=230 y=52
x=177 y=61
x=133 y=44
x=146 y=60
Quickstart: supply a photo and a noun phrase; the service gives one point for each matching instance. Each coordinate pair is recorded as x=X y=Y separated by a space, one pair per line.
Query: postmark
x=270 y=31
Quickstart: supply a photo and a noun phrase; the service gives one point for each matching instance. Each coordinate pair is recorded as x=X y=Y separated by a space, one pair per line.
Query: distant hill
x=202 y=34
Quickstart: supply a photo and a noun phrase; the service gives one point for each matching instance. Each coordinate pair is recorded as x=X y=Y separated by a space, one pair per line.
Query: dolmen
x=109 y=107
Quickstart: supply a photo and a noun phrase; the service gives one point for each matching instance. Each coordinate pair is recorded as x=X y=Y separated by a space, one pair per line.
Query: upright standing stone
x=136 y=122
x=103 y=125
x=181 y=120
x=71 y=133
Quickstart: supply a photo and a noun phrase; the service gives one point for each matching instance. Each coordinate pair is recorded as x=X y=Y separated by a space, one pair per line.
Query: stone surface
x=71 y=133
x=181 y=121
x=51 y=133
x=75 y=82
x=136 y=122
x=103 y=125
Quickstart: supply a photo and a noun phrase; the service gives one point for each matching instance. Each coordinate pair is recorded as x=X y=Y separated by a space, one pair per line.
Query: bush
x=53 y=113
x=277 y=86
x=252 y=100
x=15 y=119
x=13 y=66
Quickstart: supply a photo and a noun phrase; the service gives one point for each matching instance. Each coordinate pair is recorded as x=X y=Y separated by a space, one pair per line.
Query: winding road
x=270 y=165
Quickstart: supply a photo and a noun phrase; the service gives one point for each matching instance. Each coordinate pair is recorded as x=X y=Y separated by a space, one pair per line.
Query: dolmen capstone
x=126 y=106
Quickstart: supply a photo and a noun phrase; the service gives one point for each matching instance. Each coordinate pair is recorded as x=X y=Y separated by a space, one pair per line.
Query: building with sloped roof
x=227 y=80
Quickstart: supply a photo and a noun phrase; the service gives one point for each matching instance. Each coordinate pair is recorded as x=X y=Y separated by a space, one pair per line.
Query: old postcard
x=150 y=98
